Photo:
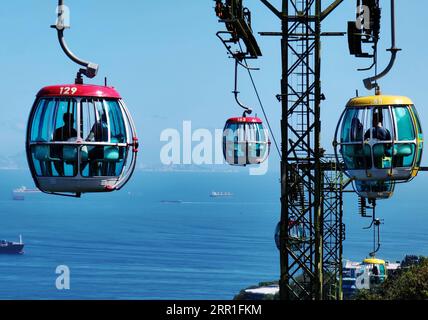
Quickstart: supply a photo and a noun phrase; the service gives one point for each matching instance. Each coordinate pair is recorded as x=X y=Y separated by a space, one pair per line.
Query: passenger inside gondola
x=357 y=154
x=108 y=127
x=63 y=134
x=378 y=131
x=99 y=133
x=356 y=130
x=356 y=135
x=382 y=151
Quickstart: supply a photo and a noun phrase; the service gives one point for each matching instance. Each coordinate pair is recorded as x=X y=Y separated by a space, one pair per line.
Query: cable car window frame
x=413 y=142
x=126 y=145
x=368 y=111
x=413 y=122
x=392 y=125
x=242 y=142
x=250 y=141
x=53 y=120
x=420 y=141
x=417 y=119
x=51 y=163
x=36 y=117
x=44 y=127
x=46 y=119
x=39 y=114
x=63 y=162
x=106 y=143
x=57 y=120
x=384 y=157
x=413 y=155
x=382 y=270
x=363 y=149
x=98 y=108
x=129 y=127
x=117 y=116
x=102 y=112
x=258 y=143
x=128 y=122
x=353 y=113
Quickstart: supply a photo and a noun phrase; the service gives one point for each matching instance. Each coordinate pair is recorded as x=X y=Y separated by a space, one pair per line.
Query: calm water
x=129 y=245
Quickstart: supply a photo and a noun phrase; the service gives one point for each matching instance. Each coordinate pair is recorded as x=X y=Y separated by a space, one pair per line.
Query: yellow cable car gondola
x=380 y=139
x=376 y=269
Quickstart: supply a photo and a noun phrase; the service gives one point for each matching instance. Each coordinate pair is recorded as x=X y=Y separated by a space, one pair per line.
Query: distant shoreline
x=165 y=170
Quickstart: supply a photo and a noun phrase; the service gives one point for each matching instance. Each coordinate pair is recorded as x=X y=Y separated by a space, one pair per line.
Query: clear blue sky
x=165 y=60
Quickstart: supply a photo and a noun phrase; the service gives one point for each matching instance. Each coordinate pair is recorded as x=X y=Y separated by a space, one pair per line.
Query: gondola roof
x=378 y=100
x=81 y=90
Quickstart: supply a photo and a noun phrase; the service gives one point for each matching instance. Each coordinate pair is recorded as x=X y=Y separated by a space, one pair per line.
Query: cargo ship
x=172 y=201
x=7 y=247
x=19 y=193
x=216 y=194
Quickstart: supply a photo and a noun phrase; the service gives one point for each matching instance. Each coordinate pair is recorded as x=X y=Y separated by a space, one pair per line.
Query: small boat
x=216 y=194
x=172 y=201
x=7 y=247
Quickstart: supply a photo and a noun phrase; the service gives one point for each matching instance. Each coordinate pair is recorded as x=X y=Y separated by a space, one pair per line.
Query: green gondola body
x=380 y=139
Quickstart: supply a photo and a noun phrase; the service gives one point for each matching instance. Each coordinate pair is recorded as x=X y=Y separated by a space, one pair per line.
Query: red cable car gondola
x=80 y=138
x=245 y=141
x=296 y=235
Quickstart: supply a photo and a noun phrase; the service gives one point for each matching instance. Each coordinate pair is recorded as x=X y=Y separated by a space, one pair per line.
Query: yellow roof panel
x=380 y=100
x=373 y=261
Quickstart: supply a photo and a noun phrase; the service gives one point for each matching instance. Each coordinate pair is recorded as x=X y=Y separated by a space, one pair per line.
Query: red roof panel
x=245 y=120
x=79 y=90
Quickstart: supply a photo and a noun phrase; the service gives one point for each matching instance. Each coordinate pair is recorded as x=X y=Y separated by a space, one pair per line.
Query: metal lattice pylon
x=301 y=266
x=311 y=184
x=311 y=230
x=333 y=230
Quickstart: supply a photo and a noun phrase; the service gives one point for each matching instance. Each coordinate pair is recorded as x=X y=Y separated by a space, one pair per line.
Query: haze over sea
x=131 y=245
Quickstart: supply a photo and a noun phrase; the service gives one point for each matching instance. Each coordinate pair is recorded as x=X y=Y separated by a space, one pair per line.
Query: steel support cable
x=264 y=112
x=261 y=104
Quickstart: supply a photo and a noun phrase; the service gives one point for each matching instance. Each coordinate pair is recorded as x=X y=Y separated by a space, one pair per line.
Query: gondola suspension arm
x=371 y=83
x=235 y=92
x=90 y=69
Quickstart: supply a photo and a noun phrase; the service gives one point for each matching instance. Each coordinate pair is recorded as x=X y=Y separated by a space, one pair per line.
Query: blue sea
x=131 y=245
